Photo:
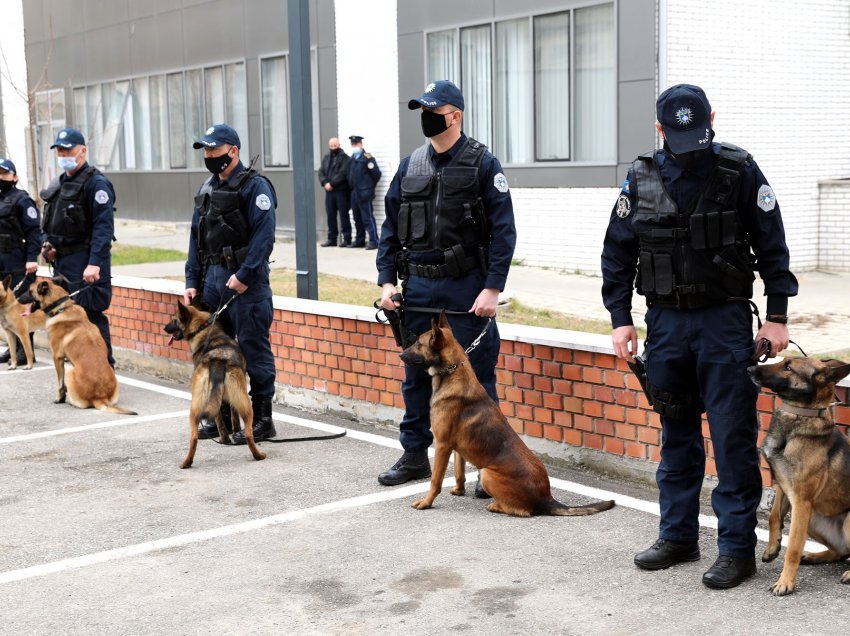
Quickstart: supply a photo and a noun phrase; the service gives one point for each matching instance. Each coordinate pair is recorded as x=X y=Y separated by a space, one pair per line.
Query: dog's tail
x=113 y=408
x=557 y=509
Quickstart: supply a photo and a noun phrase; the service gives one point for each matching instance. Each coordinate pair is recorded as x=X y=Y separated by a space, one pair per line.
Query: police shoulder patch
x=624 y=206
x=500 y=183
x=101 y=196
x=765 y=199
x=32 y=212
x=370 y=165
x=263 y=202
x=626 y=187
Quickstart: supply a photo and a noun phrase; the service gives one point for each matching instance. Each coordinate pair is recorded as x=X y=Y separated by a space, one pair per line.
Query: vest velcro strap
x=231 y=261
x=458 y=265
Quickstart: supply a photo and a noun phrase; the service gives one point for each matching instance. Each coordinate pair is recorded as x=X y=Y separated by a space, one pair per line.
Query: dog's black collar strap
x=192 y=334
x=449 y=369
x=52 y=307
x=799 y=410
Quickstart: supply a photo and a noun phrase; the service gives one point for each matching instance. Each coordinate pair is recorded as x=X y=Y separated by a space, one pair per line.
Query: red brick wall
x=580 y=398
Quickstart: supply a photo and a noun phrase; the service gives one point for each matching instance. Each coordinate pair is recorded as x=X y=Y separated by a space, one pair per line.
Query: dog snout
x=173 y=328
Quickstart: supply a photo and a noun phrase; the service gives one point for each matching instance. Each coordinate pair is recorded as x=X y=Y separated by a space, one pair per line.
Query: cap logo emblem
x=684 y=116
x=210 y=130
x=63 y=134
x=431 y=87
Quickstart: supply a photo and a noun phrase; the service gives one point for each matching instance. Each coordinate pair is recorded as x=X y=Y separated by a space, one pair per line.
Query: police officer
x=452 y=248
x=333 y=177
x=363 y=175
x=20 y=238
x=79 y=227
x=232 y=235
x=693 y=221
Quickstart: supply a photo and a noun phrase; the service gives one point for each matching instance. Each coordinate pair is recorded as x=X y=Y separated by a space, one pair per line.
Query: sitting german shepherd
x=14 y=323
x=219 y=376
x=464 y=419
x=91 y=382
x=810 y=462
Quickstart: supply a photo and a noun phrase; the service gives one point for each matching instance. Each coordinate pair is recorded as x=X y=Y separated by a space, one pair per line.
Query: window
x=537 y=89
x=236 y=105
x=274 y=82
x=176 y=121
x=49 y=120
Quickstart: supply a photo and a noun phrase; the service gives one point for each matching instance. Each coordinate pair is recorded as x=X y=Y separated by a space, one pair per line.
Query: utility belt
x=10 y=243
x=456 y=263
x=230 y=258
x=64 y=248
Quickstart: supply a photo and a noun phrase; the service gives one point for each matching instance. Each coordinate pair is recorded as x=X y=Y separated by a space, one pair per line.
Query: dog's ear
x=42 y=288
x=7 y=282
x=436 y=334
x=835 y=370
x=197 y=301
x=183 y=312
x=444 y=322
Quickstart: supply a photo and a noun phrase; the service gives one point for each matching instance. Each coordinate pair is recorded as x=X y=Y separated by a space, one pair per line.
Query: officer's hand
x=31 y=267
x=189 y=296
x=91 y=274
x=236 y=285
x=328 y=187
x=485 y=304
x=777 y=334
x=48 y=252
x=625 y=342
x=388 y=290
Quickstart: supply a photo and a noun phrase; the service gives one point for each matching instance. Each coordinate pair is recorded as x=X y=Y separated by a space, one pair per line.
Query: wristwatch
x=782 y=319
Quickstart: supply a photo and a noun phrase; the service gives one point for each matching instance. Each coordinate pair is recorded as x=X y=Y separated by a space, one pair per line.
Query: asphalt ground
x=103 y=533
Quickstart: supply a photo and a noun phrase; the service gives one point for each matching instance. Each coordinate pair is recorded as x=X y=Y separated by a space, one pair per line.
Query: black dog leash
x=311 y=438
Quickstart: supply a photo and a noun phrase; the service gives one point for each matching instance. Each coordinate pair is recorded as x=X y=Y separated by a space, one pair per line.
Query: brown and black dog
x=464 y=419
x=219 y=375
x=810 y=462
x=14 y=323
x=91 y=382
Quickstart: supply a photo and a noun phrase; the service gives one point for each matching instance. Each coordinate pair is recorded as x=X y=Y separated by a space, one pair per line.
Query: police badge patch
x=624 y=206
x=263 y=202
x=766 y=200
x=101 y=196
x=370 y=165
x=32 y=213
x=500 y=183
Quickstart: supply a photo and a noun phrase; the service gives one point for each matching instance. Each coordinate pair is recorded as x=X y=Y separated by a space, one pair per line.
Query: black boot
x=5 y=356
x=664 y=553
x=411 y=465
x=263 y=424
x=207 y=429
x=729 y=572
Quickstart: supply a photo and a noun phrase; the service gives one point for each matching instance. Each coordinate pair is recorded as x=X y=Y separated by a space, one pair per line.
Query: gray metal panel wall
x=636 y=68
x=89 y=41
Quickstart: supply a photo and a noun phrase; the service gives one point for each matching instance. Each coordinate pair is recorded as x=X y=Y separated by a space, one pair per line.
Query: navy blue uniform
x=457 y=294
x=363 y=175
x=251 y=314
x=704 y=352
x=14 y=260
x=99 y=196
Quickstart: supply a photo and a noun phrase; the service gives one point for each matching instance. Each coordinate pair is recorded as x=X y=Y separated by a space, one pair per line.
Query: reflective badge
x=766 y=200
x=500 y=182
x=684 y=117
x=370 y=165
x=624 y=206
x=63 y=134
x=32 y=213
x=101 y=196
x=626 y=187
x=210 y=130
x=263 y=202
x=430 y=87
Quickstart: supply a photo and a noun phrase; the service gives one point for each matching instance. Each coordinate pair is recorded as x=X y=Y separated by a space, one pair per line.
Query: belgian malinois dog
x=219 y=376
x=91 y=382
x=810 y=462
x=14 y=323
x=464 y=419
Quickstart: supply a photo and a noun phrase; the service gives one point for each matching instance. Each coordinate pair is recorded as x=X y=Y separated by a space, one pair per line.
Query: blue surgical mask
x=355 y=152
x=67 y=163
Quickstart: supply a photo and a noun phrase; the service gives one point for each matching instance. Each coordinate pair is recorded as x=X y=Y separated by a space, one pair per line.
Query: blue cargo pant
x=707 y=351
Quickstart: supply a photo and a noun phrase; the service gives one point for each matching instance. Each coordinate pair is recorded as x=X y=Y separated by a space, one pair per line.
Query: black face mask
x=433 y=124
x=217 y=165
x=5 y=186
x=335 y=151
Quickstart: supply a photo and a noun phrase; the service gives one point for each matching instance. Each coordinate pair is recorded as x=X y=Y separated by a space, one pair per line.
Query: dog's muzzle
x=173 y=330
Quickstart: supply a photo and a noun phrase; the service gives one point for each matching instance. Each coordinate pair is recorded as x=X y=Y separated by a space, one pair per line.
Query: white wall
x=13 y=76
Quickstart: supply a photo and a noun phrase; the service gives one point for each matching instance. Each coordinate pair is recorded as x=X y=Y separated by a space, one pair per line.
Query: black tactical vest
x=223 y=229
x=697 y=257
x=11 y=232
x=67 y=219
x=444 y=211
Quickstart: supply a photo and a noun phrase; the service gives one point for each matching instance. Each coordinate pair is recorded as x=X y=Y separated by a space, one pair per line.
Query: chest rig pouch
x=697 y=257
x=67 y=218
x=223 y=229
x=11 y=232
x=443 y=211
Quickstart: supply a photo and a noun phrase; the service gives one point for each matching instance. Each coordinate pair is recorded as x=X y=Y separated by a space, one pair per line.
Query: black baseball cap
x=68 y=138
x=438 y=94
x=218 y=135
x=8 y=166
x=685 y=117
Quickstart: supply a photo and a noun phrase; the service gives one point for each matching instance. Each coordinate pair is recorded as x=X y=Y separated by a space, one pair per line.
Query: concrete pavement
x=820 y=314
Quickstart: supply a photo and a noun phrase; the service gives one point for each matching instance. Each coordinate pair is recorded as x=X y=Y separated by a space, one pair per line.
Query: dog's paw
x=458 y=491
x=186 y=463
x=770 y=553
x=421 y=504
x=845 y=578
x=782 y=587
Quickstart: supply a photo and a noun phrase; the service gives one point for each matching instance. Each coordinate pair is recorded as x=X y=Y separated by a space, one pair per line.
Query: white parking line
x=125 y=421
x=623 y=501
x=19 y=371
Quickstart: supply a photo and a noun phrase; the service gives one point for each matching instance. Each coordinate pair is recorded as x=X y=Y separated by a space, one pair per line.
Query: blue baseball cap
x=685 y=117
x=8 y=166
x=218 y=135
x=68 y=138
x=438 y=94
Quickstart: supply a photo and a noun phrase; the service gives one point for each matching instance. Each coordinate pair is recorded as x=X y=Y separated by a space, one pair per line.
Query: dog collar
x=450 y=369
x=52 y=307
x=799 y=410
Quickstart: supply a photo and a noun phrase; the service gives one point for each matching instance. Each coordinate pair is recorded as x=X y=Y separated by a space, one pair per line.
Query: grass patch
x=135 y=254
